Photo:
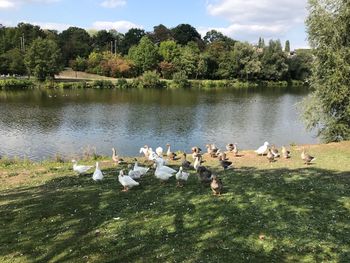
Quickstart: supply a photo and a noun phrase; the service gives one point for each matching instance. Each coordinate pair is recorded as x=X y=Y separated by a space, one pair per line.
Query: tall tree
x=185 y=33
x=131 y=38
x=274 y=62
x=144 y=55
x=287 y=46
x=43 y=59
x=74 y=42
x=160 y=33
x=328 y=107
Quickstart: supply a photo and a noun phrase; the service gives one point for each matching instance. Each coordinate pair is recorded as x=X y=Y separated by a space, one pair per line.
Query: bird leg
x=125 y=189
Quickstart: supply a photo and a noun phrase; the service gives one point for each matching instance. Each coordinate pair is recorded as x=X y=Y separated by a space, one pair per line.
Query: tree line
x=28 y=49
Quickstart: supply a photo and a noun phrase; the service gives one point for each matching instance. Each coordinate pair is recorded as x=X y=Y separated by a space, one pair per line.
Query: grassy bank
x=69 y=79
x=269 y=212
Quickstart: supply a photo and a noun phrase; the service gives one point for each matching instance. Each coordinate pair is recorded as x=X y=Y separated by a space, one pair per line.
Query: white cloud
x=113 y=3
x=50 y=25
x=7 y=4
x=250 y=19
x=120 y=26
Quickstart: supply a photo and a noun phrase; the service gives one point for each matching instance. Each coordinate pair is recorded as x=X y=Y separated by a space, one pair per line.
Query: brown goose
x=230 y=147
x=116 y=158
x=212 y=150
x=285 y=153
x=185 y=164
x=270 y=156
x=216 y=185
x=307 y=158
x=204 y=174
x=274 y=151
x=224 y=163
x=169 y=153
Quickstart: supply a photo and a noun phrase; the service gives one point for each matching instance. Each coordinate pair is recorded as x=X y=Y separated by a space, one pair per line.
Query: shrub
x=180 y=80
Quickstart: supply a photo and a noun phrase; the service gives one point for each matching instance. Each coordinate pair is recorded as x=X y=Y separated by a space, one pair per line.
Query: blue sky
x=244 y=20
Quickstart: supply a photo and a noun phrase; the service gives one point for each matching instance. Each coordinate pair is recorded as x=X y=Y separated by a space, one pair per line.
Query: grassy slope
x=79 y=75
x=49 y=214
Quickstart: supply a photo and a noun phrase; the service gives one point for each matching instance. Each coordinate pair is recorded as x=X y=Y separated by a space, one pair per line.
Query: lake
x=39 y=124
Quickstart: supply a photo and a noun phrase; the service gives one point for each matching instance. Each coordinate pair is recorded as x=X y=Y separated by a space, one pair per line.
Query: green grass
x=49 y=214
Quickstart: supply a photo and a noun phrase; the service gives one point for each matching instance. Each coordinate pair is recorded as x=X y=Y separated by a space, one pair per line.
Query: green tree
x=185 y=33
x=188 y=60
x=131 y=38
x=12 y=62
x=328 y=107
x=287 y=46
x=42 y=59
x=169 y=50
x=144 y=55
x=160 y=33
x=274 y=62
x=261 y=43
x=300 y=64
x=74 y=42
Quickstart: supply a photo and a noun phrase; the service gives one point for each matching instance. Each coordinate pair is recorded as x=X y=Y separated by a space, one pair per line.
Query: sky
x=244 y=20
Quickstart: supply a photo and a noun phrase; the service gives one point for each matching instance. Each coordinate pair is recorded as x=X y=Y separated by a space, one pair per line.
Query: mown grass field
x=269 y=212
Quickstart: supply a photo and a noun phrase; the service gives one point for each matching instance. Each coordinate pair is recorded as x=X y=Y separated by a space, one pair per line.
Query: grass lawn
x=269 y=212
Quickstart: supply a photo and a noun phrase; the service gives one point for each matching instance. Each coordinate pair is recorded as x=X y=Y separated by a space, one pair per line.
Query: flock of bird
x=163 y=172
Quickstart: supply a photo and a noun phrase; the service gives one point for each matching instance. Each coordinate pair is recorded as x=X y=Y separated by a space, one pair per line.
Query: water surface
x=39 y=124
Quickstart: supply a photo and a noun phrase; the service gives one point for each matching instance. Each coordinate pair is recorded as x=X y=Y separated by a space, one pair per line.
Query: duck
x=137 y=168
x=195 y=151
x=98 y=175
x=159 y=151
x=80 y=169
x=163 y=174
x=224 y=163
x=285 y=152
x=126 y=181
x=181 y=176
x=185 y=164
x=216 y=185
x=262 y=149
x=169 y=153
x=274 y=151
x=307 y=158
x=270 y=155
x=116 y=158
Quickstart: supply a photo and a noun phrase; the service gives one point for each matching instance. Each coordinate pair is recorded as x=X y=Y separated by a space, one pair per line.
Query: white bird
x=98 y=175
x=162 y=173
x=144 y=150
x=80 y=169
x=126 y=181
x=162 y=167
x=134 y=174
x=262 y=149
x=181 y=176
x=197 y=162
x=152 y=155
x=159 y=151
x=142 y=170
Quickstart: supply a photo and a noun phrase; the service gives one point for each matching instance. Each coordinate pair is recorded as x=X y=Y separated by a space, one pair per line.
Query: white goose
x=144 y=150
x=181 y=176
x=142 y=170
x=160 y=164
x=98 y=175
x=80 y=169
x=159 y=151
x=126 y=181
x=134 y=174
x=162 y=174
x=152 y=155
x=262 y=149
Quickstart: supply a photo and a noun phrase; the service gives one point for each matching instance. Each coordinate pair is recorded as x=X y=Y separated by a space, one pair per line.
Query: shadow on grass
x=303 y=215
